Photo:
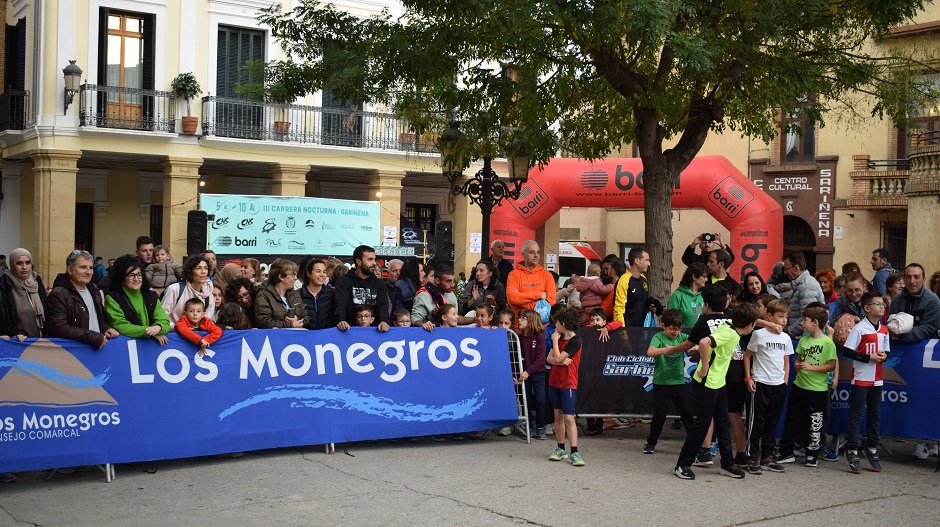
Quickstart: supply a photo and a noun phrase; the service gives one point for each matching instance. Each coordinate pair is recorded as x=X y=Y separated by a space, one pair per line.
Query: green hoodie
x=691 y=305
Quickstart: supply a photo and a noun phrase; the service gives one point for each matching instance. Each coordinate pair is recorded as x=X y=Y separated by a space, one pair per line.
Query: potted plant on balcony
x=273 y=83
x=187 y=87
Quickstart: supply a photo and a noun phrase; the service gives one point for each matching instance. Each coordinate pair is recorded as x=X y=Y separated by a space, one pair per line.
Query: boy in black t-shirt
x=715 y=298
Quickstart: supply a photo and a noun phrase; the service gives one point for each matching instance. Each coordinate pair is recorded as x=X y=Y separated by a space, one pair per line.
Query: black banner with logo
x=615 y=377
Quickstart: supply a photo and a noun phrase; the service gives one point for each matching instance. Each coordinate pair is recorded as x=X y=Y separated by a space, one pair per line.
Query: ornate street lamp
x=485 y=188
x=73 y=80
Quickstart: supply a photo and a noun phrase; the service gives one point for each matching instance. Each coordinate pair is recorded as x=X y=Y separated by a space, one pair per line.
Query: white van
x=574 y=258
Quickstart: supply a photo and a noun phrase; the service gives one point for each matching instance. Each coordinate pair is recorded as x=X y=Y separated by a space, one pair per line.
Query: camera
x=708 y=237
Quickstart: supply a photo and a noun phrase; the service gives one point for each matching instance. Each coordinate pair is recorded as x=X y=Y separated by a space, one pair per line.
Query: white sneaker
x=550 y=429
x=932 y=450
x=505 y=431
x=920 y=451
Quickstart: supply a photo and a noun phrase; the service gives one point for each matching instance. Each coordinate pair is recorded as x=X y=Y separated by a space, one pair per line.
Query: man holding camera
x=707 y=242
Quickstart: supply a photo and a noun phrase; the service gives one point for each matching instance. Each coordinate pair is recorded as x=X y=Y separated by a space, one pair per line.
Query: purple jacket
x=533 y=353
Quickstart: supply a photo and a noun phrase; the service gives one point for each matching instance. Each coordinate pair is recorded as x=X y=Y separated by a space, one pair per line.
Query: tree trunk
x=658 y=181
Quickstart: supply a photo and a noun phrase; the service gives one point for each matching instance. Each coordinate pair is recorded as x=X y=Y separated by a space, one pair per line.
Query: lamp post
x=485 y=188
x=73 y=81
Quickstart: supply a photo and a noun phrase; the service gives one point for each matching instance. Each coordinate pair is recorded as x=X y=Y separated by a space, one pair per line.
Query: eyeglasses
x=245 y=296
x=363 y=317
x=135 y=276
x=876 y=304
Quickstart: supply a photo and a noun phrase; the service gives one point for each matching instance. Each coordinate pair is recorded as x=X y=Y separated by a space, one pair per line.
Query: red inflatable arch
x=710 y=182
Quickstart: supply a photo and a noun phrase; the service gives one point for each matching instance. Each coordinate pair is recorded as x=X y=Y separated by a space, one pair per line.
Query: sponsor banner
x=909 y=395
x=257 y=225
x=63 y=403
x=616 y=377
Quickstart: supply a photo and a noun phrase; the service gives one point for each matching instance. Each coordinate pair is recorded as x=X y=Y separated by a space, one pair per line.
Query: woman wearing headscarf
x=131 y=307
x=22 y=298
x=229 y=272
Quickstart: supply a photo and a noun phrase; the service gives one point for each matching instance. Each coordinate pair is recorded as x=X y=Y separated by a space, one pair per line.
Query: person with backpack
x=436 y=293
x=195 y=284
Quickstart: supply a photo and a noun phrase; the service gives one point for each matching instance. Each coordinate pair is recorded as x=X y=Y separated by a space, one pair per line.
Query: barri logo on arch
x=730 y=196
x=530 y=199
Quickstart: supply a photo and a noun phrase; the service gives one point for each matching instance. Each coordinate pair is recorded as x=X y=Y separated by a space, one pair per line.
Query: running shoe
x=558 y=455
x=768 y=463
x=650 y=448
x=855 y=464
x=741 y=460
x=754 y=468
x=731 y=471
x=540 y=434
x=920 y=451
x=684 y=473
x=826 y=454
x=784 y=459
x=576 y=459
x=873 y=459
x=703 y=459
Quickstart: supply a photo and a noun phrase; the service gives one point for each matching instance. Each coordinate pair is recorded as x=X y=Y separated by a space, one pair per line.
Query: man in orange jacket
x=529 y=282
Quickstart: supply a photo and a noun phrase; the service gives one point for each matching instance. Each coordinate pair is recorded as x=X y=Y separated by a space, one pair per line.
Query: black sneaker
x=873 y=460
x=810 y=461
x=784 y=459
x=650 y=448
x=684 y=473
x=855 y=464
x=677 y=424
x=741 y=459
x=731 y=471
x=703 y=459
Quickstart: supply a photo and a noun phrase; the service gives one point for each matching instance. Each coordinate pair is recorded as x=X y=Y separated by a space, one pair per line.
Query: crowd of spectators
x=146 y=294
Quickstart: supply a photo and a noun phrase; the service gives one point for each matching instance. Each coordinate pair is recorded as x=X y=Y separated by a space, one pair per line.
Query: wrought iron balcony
x=127 y=108
x=878 y=184
x=14 y=110
x=295 y=123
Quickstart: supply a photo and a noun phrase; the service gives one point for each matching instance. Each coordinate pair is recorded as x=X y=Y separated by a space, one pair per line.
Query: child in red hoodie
x=193 y=320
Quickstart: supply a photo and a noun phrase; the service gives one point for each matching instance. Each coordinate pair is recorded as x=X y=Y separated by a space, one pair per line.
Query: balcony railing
x=127 y=108
x=14 y=110
x=295 y=123
x=879 y=183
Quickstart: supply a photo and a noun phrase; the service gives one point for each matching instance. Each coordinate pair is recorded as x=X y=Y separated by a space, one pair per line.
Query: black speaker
x=444 y=240
x=197 y=232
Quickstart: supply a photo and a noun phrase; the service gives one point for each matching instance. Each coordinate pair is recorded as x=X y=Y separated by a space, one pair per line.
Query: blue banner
x=64 y=403
x=909 y=399
x=260 y=225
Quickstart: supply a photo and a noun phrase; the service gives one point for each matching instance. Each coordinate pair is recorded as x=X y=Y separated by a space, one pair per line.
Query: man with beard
x=437 y=292
x=360 y=287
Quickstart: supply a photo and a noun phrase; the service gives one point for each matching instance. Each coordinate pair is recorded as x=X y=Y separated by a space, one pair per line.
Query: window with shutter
x=237 y=46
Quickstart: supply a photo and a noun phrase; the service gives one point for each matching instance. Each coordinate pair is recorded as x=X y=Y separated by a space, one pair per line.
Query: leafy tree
x=589 y=76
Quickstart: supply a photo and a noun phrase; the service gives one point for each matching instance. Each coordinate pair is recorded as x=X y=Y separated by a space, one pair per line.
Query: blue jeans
x=859 y=398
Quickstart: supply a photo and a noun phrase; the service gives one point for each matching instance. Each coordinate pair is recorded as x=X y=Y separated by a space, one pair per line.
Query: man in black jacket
x=689 y=257
x=361 y=287
x=74 y=310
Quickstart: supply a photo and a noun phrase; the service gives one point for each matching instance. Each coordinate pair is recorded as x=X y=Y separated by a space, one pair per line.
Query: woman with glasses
x=130 y=306
x=242 y=291
x=22 y=298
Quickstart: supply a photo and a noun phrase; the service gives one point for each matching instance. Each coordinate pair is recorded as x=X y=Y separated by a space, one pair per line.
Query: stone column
x=180 y=189
x=923 y=208
x=385 y=187
x=289 y=180
x=548 y=235
x=10 y=211
x=54 y=209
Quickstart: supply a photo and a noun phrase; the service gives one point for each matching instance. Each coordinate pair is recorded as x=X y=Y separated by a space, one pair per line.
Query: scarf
x=30 y=314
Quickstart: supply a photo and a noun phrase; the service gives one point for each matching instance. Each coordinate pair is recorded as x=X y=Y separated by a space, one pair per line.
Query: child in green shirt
x=709 y=397
x=668 y=375
x=815 y=358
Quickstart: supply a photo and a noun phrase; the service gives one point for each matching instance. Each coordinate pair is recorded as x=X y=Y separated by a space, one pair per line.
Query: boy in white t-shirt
x=766 y=371
x=867 y=346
